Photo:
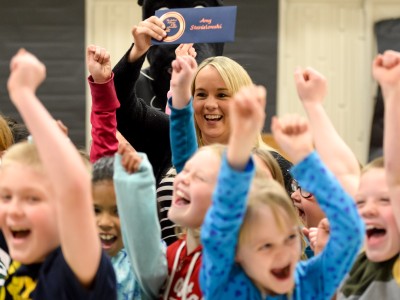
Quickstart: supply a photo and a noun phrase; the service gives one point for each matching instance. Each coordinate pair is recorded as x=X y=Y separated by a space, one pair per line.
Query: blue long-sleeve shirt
x=140 y=228
x=182 y=135
x=317 y=278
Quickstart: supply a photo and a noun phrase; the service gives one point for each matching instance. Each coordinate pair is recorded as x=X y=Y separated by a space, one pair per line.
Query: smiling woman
x=217 y=79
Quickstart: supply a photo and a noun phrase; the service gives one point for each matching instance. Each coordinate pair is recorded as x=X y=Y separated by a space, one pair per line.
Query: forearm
x=391 y=140
x=51 y=144
x=391 y=146
x=71 y=183
x=333 y=151
x=126 y=75
x=220 y=230
x=346 y=226
x=239 y=151
x=136 y=201
x=182 y=135
x=103 y=119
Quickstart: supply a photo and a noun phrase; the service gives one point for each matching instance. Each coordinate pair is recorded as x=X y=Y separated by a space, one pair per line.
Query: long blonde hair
x=234 y=77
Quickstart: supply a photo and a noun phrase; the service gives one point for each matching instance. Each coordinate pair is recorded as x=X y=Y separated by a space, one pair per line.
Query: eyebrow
x=218 y=89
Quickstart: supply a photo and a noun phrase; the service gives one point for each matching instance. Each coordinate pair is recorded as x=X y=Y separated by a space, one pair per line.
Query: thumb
x=306 y=232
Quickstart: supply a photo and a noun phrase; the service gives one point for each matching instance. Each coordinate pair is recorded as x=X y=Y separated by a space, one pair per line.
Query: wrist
x=136 y=53
x=238 y=158
x=300 y=154
x=180 y=99
x=100 y=78
x=21 y=92
x=310 y=104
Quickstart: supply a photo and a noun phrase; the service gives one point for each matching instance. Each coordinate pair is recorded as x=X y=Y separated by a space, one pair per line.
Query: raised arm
x=135 y=190
x=182 y=129
x=220 y=230
x=70 y=179
x=128 y=68
x=320 y=276
x=334 y=152
x=145 y=128
x=104 y=103
x=386 y=70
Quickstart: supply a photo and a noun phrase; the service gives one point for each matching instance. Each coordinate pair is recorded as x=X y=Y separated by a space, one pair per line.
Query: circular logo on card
x=175 y=25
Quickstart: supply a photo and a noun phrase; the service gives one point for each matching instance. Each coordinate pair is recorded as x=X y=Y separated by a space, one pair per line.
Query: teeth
x=106 y=237
x=213 y=117
x=180 y=194
x=369 y=227
x=18 y=229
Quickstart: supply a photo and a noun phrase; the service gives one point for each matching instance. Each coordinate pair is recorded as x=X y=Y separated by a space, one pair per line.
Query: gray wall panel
x=54 y=31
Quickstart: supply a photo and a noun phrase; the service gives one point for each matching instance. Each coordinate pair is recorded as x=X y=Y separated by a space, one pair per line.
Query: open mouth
x=213 y=117
x=281 y=273
x=374 y=232
x=107 y=240
x=20 y=233
x=181 y=199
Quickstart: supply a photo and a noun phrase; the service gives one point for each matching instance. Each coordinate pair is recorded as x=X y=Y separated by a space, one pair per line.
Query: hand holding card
x=198 y=25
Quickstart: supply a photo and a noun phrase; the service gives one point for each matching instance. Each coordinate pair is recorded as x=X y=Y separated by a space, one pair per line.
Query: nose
x=14 y=208
x=211 y=103
x=183 y=178
x=296 y=196
x=281 y=253
x=104 y=221
x=368 y=210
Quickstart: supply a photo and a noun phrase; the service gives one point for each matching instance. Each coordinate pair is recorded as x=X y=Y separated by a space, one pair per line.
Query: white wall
x=109 y=24
x=335 y=37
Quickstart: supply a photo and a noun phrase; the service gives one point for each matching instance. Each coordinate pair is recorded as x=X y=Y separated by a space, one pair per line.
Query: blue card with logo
x=198 y=25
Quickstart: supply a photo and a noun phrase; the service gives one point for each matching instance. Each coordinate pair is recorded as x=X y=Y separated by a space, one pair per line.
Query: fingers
x=14 y=60
x=390 y=59
x=98 y=54
x=192 y=52
x=387 y=60
x=306 y=232
x=324 y=224
x=313 y=232
x=293 y=124
x=251 y=97
x=63 y=128
x=184 y=63
x=275 y=126
x=186 y=49
x=101 y=55
x=307 y=75
x=130 y=159
x=152 y=27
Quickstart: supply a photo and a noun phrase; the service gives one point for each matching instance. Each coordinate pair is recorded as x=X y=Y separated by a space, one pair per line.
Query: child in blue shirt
x=136 y=279
x=250 y=238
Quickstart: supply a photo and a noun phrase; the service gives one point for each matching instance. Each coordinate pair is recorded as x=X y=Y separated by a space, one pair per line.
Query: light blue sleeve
x=182 y=135
x=220 y=230
x=321 y=275
x=137 y=208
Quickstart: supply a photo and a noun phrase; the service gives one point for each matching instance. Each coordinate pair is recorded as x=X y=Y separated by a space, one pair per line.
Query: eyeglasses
x=294 y=186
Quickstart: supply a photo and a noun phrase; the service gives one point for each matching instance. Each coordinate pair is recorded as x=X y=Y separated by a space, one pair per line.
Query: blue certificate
x=198 y=25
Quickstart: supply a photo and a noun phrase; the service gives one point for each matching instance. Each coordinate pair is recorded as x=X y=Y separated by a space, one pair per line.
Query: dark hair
x=19 y=131
x=103 y=169
x=285 y=167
